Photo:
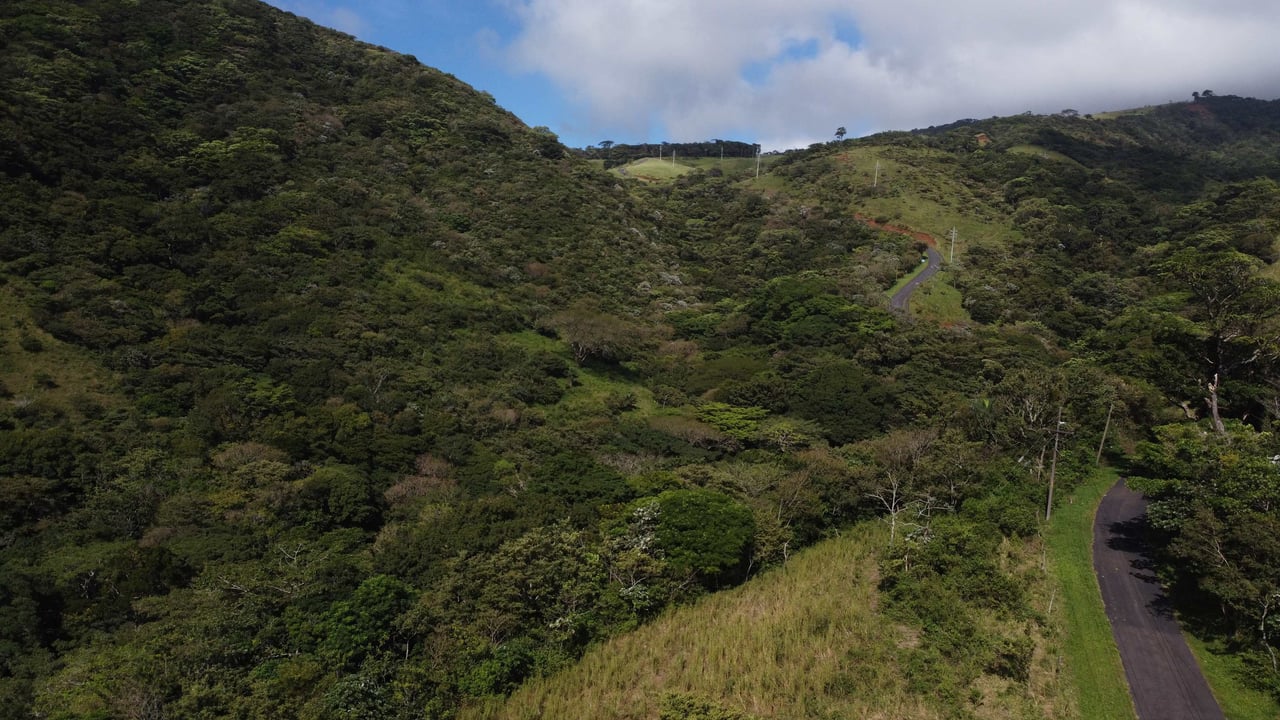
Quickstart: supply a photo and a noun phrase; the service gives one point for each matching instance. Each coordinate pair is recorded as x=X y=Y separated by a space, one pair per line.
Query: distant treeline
x=621 y=154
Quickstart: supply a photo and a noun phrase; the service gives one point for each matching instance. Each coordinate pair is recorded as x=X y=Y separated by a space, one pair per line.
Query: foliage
x=1216 y=496
x=330 y=389
x=704 y=532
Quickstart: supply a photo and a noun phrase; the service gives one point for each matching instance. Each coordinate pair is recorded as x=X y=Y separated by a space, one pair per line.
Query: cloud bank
x=788 y=73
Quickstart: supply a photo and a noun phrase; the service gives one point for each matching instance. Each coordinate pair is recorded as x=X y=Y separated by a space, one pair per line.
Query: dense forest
x=331 y=389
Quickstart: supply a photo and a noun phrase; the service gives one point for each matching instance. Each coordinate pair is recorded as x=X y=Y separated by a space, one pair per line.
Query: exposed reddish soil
x=925 y=238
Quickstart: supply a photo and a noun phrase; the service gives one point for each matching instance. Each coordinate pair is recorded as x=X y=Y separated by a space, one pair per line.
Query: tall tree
x=1233 y=310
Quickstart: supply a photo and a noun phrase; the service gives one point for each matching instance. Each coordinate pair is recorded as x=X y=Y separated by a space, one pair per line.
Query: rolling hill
x=331 y=389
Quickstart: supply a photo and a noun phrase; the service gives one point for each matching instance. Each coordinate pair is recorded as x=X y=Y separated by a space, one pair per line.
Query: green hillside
x=809 y=639
x=328 y=388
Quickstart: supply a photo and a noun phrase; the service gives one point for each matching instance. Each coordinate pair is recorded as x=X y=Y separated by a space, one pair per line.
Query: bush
x=683 y=706
x=705 y=532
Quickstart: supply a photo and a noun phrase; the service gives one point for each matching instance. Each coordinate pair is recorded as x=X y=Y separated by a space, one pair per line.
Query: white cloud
x=683 y=64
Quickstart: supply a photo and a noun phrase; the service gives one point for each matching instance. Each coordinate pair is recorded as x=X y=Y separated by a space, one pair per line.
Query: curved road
x=901 y=298
x=1164 y=679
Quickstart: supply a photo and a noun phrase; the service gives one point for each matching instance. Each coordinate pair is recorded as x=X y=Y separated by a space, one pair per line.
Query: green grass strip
x=1238 y=701
x=902 y=281
x=1091 y=658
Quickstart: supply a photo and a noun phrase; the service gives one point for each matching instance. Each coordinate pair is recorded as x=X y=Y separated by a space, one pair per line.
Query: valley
x=330 y=388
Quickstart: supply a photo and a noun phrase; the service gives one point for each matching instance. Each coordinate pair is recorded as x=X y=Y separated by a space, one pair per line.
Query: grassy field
x=1113 y=114
x=663 y=170
x=1042 y=153
x=918 y=189
x=734 y=167
x=804 y=640
x=1272 y=271
x=1090 y=657
x=653 y=170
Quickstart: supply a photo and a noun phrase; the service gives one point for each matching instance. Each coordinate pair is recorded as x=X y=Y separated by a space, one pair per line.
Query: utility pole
x=953 y=245
x=876 y=181
x=757 y=164
x=1097 y=459
x=1053 y=466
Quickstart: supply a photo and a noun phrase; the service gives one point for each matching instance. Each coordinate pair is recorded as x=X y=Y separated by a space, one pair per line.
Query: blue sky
x=786 y=73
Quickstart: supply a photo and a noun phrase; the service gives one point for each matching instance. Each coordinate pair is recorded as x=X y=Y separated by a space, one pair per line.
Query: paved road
x=1164 y=679
x=901 y=298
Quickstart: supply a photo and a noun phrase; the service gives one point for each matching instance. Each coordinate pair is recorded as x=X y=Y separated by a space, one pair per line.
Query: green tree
x=1234 y=312
x=362 y=624
x=705 y=533
x=1216 y=496
x=592 y=333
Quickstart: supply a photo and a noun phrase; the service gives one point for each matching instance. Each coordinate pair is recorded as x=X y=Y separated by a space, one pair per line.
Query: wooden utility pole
x=1053 y=466
x=1097 y=459
x=953 y=245
x=876 y=182
x=757 y=164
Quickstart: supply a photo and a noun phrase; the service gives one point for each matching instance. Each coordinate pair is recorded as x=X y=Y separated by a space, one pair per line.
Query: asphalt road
x=901 y=298
x=1164 y=679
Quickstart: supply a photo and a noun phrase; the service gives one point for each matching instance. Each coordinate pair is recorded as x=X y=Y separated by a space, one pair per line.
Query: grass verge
x=902 y=281
x=1237 y=700
x=1091 y=658
x=937 y=301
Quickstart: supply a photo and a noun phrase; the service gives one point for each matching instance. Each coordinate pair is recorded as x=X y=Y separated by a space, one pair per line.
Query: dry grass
x=800 y=638
x=803 y=641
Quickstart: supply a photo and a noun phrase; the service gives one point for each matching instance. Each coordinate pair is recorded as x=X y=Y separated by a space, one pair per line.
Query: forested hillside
x=331 y=389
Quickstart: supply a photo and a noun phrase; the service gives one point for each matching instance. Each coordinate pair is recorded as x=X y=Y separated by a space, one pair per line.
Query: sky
x=788 y=73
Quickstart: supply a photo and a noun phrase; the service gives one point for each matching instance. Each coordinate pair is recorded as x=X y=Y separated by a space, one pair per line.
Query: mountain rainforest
x=330 y=389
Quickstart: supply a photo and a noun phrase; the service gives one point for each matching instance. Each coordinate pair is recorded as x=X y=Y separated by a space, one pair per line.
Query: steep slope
x=811 y=639
x=226 y=230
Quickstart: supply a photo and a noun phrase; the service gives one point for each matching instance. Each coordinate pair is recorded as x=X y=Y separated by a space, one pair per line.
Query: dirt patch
x=923 y=237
